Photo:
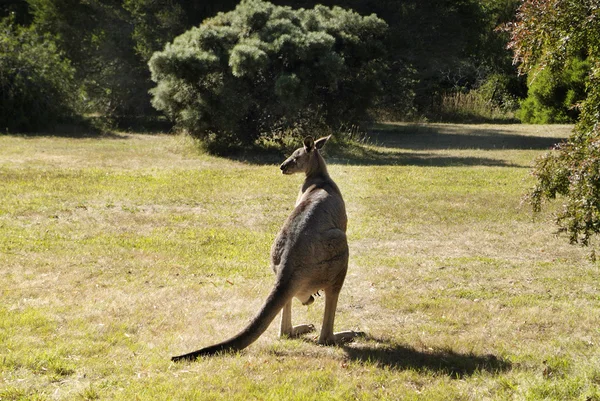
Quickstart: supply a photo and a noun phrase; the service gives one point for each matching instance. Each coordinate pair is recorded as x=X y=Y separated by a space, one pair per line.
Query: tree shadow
x=387 y=144
x=453 y=364
x=358 y=155
x=100 y=128
x=419 y=145
x=81 y=129
x=361 y=156
x=438 y=137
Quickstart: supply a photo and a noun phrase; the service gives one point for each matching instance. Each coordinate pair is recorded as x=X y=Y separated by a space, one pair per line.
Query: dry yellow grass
x=119 y=252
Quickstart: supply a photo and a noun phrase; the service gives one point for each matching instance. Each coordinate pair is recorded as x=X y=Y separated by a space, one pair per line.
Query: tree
x=109 y=43
x=37 y=88
x=549 y=33
x=158 y=22
x=96 y=35
x=16 y=9
x=436 y=46
x=264 y=68
x=432 y=46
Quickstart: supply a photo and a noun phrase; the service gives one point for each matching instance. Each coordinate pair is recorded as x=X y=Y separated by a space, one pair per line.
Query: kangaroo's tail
x=279 y=296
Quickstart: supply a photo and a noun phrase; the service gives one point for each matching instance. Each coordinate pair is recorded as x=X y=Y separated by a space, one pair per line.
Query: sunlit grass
x=118 y=252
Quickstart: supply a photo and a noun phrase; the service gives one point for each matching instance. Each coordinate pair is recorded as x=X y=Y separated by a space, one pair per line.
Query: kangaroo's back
x=319 y=211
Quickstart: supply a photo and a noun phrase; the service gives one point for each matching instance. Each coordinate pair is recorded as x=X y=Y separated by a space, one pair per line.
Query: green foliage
x=552 y=33
x=37 y=88
x=500 y=90
x=454 y=47
x=109 y=43
x=573 y=170
x=492 y=101
x=554 y=96
x=96 y=36
x=264 y=68
x=432 y=48
x=157 y=22
x=435 y=48
x=154 y=22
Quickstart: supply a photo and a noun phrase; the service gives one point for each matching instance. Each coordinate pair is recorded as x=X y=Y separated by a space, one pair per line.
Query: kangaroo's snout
x=287 y=167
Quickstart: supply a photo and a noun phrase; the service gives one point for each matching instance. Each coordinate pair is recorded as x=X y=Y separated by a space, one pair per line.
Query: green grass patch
x=121 y=251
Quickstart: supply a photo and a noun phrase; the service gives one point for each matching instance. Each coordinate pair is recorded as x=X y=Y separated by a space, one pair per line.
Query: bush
x=468 y=107
x=37 y=89
x=261 y=69
x=96 y=36
x=573 y=170
x=553 y=33
x=492 y=101
x=554 y=96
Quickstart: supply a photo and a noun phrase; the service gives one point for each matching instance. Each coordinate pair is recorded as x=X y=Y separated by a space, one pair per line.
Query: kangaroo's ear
x=309 y=144
x=319 y=143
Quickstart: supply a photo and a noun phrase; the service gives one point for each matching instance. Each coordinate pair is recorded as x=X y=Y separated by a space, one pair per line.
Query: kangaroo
x=309 y=254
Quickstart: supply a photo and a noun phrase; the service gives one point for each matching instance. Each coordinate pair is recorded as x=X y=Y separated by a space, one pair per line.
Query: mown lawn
x=117 y=252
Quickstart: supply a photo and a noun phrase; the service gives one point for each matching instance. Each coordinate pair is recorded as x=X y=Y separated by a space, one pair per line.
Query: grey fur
x=309 y=254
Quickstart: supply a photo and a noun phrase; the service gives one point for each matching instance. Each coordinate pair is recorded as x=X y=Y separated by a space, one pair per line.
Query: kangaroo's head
x=306 y=159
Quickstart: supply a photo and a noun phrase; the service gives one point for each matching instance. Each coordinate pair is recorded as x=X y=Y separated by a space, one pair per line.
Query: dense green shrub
x=263 y=68
x=552 y=32
x=554 y=94
x=36 y=83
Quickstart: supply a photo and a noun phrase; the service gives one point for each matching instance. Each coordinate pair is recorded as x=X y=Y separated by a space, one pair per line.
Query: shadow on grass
x=358 y=155
x=354 y=155
x=361 y=156
x=447 y=362
x=419 y=145
x=387 y=144
x=97 y=127
x=438 y=137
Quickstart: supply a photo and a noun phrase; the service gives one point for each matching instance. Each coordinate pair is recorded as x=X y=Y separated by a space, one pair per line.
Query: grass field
x=117 y=252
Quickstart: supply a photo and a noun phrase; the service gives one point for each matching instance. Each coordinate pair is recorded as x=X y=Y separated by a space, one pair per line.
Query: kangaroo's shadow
x=445 y=361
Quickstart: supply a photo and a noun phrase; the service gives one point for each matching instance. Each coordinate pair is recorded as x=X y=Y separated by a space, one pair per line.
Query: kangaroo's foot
x=341 y=337
x=299 y=330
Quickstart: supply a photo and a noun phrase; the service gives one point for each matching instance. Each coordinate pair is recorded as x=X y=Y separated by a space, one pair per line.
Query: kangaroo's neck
x=317 y=174
x=317 y=168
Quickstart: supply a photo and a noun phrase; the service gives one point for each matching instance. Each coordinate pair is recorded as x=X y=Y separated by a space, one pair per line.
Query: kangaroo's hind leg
x=286 y=329
x=328 y=337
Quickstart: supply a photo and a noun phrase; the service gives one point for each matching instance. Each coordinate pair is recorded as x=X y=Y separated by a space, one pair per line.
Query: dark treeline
x=450 y=45
x=435 y=47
